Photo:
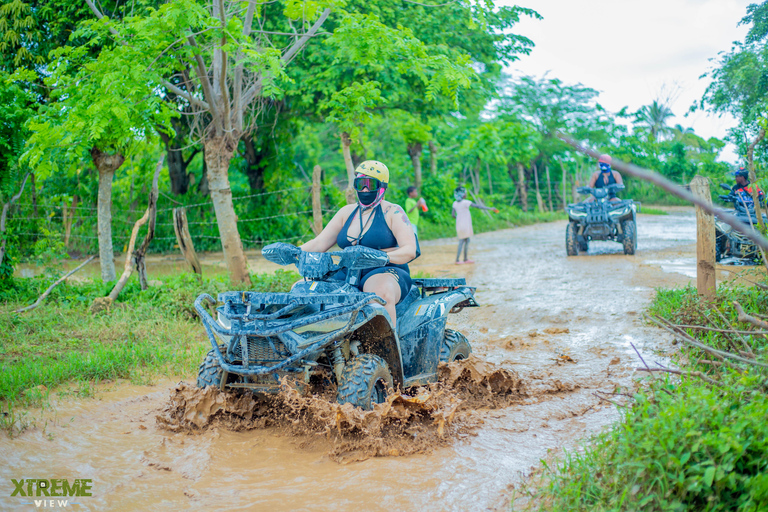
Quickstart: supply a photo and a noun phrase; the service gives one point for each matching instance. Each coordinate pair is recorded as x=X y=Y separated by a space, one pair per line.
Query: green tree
x=654 y=117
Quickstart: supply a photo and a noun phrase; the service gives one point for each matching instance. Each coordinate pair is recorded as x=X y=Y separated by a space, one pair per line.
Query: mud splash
x=405 y=424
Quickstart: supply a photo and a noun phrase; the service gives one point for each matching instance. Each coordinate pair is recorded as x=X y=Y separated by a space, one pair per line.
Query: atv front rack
x=245 y=322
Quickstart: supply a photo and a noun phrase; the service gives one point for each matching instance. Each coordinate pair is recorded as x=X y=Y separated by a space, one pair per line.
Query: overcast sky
x=635 y=51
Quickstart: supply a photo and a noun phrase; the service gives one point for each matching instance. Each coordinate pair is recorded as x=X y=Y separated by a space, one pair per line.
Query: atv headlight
x=577 y=213
x=619 y=212
x=325 y=326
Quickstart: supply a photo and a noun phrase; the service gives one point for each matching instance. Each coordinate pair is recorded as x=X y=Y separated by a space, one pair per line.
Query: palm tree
x=655 y=117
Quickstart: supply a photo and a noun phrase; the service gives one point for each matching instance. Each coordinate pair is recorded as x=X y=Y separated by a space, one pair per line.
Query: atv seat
x=405 y=303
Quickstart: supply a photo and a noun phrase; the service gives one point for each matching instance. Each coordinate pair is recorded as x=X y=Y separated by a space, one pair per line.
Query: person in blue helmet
x=604 y=176
x=378 y=224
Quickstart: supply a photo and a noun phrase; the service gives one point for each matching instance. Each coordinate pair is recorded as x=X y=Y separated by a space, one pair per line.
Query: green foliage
x=682 y=444
x=147 y=332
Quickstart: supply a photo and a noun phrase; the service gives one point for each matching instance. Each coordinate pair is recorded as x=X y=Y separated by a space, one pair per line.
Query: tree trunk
x=253 y=169
x=317 y=207
x=753 y=177
x=432 y=158
x=521 y=186
x=474 y=175
x=562 y=169
x=414 y=150
x=350 y=192
x=549 y=187
x=106 y=164
x=539 y=200
x=218 y=153
x=203 y=186
x=490 y=182
x=187 y=248
x=574 y=186
x=33 y=187
x=177 y=166
x=68 y=215
x=4 y=215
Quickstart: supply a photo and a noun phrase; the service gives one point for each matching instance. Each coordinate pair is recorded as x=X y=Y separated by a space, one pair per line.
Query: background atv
x=601 y=219
x=731 y=246
x=327 y=330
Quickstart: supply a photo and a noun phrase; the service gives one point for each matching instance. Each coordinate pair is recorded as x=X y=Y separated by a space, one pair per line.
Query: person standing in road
x=463 y=216
x=412 y=205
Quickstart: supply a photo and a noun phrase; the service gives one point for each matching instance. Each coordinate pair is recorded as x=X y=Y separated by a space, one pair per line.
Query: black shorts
x=402 y=277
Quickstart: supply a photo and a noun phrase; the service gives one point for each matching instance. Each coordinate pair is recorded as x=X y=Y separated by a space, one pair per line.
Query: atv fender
x=376 y=336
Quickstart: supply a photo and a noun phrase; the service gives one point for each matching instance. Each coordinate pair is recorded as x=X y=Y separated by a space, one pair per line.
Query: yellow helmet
x=374 y=169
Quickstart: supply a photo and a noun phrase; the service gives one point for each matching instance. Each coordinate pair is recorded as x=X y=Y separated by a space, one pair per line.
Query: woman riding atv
x=377 y=224
x=604 y=176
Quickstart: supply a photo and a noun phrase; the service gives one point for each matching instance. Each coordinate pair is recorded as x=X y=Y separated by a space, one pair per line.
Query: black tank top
x=378 y=236
x=600 y=181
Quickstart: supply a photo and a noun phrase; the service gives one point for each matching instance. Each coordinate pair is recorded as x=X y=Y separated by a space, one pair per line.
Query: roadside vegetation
x=696 y=441
x=61 y=343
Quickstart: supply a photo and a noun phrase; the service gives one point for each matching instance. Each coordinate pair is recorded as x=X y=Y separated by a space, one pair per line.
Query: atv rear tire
x=210 y=371
x=455 y=346
x=720 y=246
x=583 y=246
x=571 y=246
x=366 y=380
x=629 y=239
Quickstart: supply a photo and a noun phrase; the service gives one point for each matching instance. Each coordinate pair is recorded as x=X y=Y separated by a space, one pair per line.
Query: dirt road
x=564 y=324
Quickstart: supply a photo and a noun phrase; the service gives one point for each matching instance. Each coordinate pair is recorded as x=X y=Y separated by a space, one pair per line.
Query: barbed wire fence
x=255 y=230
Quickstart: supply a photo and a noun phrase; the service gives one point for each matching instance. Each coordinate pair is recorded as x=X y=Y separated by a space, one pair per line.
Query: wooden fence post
x=184 y=239
x=705 y=241
x=317 y=210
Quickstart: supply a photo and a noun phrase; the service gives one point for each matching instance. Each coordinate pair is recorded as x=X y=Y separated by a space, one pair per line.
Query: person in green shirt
x=412 y=205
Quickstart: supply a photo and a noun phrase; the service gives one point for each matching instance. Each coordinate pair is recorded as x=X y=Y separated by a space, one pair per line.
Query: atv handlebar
x=613 y=188
x=319 y=265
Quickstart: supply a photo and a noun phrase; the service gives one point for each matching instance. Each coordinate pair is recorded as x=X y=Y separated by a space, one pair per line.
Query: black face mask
x=367 y=198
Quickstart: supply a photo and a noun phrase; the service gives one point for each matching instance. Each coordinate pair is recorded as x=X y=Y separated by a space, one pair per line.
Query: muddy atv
x=601 y=219
x=327 y=331
x=731 y=246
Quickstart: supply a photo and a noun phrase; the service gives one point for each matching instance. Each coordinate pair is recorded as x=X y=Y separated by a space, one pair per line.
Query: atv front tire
x=629 y=239
x=455 y=346
x=571 y=246
x=583 y=246
x=366 y=380
x=210 y=371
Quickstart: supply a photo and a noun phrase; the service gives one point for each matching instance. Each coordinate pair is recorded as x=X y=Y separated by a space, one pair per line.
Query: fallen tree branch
x=686 y=338
x=54 y=285
x=744 y=317
x=130 y=255
x=705 y=328
x=681 y=372
x=607 y=400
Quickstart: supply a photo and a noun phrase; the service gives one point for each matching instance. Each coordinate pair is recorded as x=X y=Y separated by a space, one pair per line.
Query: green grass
x=653 y=211
x=681 y=444
x=145 y=334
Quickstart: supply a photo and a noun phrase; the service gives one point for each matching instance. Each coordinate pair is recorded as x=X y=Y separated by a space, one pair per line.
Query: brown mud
x=554 y=337
x=418 y=422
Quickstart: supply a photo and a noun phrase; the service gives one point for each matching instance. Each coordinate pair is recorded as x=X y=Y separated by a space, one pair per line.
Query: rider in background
x=742 y=188
x=377 y=224
x=605 y=176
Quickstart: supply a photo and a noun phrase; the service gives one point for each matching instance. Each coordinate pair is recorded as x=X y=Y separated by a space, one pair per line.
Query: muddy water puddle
x=565 y=327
